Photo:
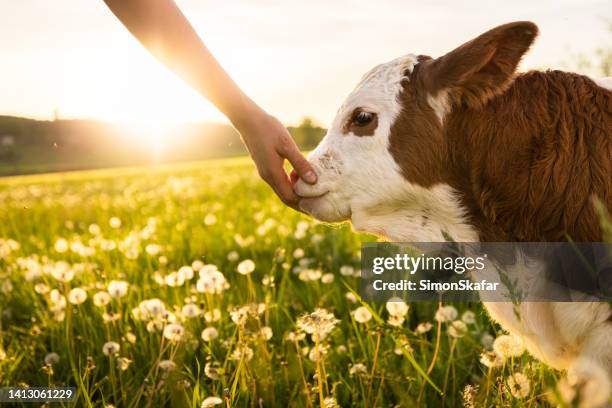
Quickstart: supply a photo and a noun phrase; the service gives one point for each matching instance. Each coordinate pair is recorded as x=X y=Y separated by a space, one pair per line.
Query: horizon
x=95 y=70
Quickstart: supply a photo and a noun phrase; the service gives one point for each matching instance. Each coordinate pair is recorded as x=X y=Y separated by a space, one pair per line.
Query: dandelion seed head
x=174 y=332
x=61 y=245
x=491 y=359
x=319 y=323
x=212 y=315
x=362 y=314
x=327 y=278
x=457 y=329
x=210 y=219
x=167 y=365
x=330 y=402
x=518 y=384
x=424 y=327
x=469 y=396
x=246 y=267
x=358 y=369
x=77 y=296
x=174 y=279
x=186 y=272
x=110 y=348
x=468 y=317
x=210 y=402
x=117 y=289
x=317 y=354
x=347 y=270
x=266 y=333
x=397 y=307
x=114 y=222
x=233 y=256
x=242 y=352
x=94 y=229
x=211 y=281
x=396 y=321
x=101 y=299
x=52 y=359
x=212 y=370
x=508 y=346
x=123 y=363
x=209 y=334
x=6 y=287
x=487 y=341
x=446 y=314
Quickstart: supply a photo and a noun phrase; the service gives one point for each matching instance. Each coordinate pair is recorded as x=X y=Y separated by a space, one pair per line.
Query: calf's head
x=385 y=149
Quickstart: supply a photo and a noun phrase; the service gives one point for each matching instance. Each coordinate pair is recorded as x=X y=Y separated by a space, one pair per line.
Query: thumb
x=302 y=166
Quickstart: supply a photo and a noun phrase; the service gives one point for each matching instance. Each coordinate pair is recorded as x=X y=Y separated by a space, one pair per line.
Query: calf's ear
x=481 y=68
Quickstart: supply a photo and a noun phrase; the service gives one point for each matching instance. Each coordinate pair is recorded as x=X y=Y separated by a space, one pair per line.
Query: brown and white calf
x=464 y=146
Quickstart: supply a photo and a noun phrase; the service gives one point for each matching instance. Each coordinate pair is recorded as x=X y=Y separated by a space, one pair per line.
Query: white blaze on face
x=355 y=172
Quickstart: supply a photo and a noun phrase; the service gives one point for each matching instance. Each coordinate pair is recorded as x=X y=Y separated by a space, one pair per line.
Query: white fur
x=440 y=104
x=360 y=181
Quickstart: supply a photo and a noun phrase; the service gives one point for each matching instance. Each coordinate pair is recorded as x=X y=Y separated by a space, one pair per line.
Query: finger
x=282 y=186
x=302 y=166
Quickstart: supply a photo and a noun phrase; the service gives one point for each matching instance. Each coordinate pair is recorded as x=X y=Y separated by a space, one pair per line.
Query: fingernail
x=310 y=176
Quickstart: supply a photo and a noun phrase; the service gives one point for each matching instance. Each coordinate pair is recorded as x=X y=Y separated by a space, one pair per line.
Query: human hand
x=269 y=144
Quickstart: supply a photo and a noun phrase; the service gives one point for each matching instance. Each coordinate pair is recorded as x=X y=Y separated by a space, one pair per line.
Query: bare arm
x=161 y=27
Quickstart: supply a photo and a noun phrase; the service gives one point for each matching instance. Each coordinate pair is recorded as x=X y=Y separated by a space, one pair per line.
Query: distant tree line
x=31 y=146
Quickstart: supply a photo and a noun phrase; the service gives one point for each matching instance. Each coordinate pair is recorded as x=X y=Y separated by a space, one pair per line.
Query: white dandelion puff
x=362 y=314
x=191 y=311
x=167 y=365
x=319 y=323
x=114 y=222
x=174 y=332
x=210 y=402
x=457 y=329
x=246 y=267
x=110 y=348
x=117 y=289
x=423 y=328
x=491 y=359
x=101 y=299
x=209 y=334
x=518 y=384
x=446 y=314
x=397 y=307
x=51 y=359
x=77 y=296
x=508 y=346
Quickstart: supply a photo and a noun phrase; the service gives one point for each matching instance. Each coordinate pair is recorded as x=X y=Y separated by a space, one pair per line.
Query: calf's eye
x=361 y=123
x=363 y=118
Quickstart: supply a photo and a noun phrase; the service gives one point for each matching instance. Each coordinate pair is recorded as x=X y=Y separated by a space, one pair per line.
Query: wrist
x=246 y=116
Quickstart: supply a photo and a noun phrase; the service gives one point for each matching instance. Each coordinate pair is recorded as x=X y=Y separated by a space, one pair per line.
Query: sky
x=294 y=58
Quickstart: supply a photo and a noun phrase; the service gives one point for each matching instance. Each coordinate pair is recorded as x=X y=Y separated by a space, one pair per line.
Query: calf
x=462 y=146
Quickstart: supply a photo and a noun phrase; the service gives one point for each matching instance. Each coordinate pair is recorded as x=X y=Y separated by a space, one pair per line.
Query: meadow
x=192 y=286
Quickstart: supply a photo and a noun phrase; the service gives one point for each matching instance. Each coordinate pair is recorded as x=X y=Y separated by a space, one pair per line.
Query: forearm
x=161 y=27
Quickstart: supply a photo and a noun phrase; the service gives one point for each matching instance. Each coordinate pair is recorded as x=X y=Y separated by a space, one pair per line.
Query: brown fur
x=527 y=154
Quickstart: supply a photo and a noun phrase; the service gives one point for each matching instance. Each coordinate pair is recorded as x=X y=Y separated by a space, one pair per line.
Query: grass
x=271 y=349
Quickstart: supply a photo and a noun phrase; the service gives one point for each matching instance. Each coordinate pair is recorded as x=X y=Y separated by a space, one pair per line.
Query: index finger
x=281 y=185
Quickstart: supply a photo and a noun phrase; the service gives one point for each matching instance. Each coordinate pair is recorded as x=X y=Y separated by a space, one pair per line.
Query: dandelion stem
x=299 y=359
x=319 y=383
x=377 y=348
